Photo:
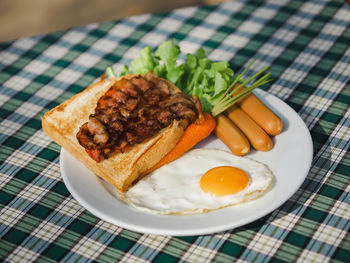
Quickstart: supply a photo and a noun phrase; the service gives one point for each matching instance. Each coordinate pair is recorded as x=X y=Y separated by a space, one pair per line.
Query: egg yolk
x=224 y=180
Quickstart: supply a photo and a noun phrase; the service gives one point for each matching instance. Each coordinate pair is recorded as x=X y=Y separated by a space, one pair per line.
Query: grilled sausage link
x=255 y=134
x=229 y=134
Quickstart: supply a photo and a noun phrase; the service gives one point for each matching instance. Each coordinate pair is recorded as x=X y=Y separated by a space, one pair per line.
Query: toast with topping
x=121 y=127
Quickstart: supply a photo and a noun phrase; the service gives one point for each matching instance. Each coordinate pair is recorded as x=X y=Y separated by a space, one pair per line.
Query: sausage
x=229 y=134
x=261 y=114
x=255 y=134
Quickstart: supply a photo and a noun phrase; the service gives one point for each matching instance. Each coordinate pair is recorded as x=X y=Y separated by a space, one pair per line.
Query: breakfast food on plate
x=121 y=127
x=131 y=131
x=255 y=134
x=200 y=181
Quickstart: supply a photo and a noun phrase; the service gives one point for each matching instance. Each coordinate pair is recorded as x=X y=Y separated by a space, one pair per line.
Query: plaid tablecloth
x=307 y=46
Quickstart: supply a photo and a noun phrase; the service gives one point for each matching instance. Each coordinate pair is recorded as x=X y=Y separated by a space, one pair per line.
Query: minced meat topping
x=131 y=111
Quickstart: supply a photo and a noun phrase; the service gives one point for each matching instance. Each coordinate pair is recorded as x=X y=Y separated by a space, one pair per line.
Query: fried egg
x=200 y=181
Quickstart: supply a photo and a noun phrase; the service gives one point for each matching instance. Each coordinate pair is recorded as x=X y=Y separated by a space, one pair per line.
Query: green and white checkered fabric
x=307 y=46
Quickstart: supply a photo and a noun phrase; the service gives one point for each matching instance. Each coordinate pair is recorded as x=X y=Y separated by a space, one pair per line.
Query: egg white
x=175 y=189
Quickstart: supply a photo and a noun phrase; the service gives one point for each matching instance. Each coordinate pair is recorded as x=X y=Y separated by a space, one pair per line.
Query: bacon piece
x=159 y=83
x=165 y=117
x=95 y=126
x=142 y=84
x=98 y=130
x=131 y=104
x=101 y=138
x=117 y=126
x=84 y=139
x=119 y=96
x=127 y=87
x=183 y=111
x=131 y=137
x=124 y=112
x=152 y=96
x=95 y=154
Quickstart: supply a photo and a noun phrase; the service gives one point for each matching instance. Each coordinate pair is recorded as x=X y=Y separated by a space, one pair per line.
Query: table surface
x=306 y=45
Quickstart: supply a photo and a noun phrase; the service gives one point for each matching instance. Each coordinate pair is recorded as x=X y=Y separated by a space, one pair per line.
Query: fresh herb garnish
x=214 y=83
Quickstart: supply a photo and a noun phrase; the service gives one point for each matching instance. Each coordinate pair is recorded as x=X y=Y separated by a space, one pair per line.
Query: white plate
x=290 y=161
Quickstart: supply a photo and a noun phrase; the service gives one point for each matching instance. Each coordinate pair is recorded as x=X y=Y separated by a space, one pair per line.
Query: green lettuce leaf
x=211 y=81
x=145 y=62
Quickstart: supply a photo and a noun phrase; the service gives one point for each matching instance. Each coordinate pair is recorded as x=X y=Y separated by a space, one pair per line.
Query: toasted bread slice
x=121 y=169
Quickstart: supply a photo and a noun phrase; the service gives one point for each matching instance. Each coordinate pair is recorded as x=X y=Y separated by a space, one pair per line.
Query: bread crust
x=121 y=169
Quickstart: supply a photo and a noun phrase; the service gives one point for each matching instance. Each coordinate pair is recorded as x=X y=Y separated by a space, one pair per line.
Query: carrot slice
x=193 y=134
